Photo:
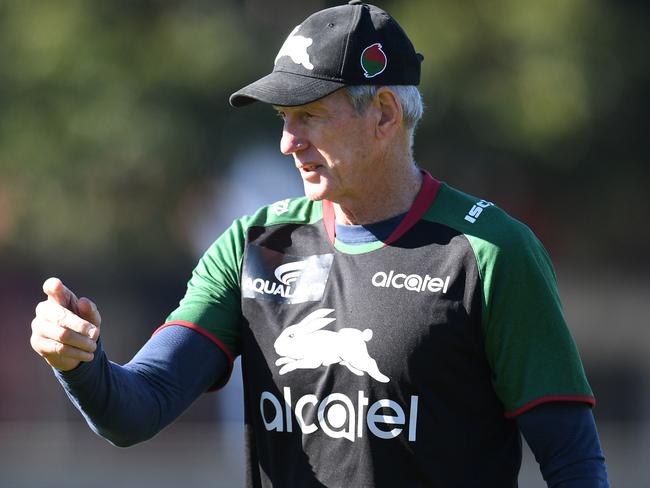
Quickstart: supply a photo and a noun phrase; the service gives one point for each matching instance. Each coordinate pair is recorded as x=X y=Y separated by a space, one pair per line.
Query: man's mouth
x=308 y=167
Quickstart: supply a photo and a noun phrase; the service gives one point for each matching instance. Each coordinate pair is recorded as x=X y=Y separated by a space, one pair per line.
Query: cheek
x=358 y=152
x=346 y=148
x=354 y=140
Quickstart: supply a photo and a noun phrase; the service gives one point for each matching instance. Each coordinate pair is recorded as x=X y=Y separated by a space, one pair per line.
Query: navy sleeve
x=131 y=403
x=564 y=440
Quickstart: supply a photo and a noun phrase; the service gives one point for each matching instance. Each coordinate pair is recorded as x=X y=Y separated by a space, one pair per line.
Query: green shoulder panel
x=212 y=300
x=289 y=211
x=527 y=342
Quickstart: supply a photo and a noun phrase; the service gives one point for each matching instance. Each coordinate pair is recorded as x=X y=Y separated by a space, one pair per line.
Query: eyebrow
x=315 y=105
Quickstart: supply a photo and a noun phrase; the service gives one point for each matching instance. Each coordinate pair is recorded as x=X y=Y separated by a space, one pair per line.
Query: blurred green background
x=121 y=160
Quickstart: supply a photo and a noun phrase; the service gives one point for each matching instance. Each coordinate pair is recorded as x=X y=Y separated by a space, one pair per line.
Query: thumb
x=57 y=291
x=88 y=311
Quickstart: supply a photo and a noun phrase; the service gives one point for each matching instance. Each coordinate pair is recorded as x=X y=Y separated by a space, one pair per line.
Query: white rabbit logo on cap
x=296 y=48
x=305 y=346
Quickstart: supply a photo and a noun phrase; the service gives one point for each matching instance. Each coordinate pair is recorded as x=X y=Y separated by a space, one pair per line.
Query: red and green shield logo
x=373 y=60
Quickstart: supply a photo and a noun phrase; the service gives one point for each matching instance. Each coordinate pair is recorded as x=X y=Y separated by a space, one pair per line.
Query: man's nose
x=291 y=141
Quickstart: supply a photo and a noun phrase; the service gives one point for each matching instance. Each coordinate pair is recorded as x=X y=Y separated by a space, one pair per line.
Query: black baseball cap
x=353 y=44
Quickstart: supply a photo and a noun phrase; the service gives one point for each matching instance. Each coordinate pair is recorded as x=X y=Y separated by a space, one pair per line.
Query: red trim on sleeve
x=559 y=398
x=214 y=339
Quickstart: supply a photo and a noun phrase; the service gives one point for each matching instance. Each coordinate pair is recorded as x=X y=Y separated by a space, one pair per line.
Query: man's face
x=332 y=147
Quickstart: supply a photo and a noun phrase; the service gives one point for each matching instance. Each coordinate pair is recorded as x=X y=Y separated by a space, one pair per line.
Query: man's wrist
x=83 y=370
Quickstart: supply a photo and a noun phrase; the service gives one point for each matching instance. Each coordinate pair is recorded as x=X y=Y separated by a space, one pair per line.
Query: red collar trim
x=423 y=200
x=329 y=219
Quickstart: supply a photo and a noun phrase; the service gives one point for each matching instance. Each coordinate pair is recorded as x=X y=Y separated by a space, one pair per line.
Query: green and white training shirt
x=402 y=361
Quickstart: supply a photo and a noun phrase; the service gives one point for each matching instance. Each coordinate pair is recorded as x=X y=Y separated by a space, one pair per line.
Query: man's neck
x=392 y=195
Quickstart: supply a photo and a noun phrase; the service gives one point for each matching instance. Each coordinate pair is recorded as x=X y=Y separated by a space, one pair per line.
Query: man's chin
x=315 y=192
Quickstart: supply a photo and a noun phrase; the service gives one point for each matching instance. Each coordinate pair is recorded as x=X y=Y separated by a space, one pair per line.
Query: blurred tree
x=538 y=106
x=103 y=116
x=111 y=112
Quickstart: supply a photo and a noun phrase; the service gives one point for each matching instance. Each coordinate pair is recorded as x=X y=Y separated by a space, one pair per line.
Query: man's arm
x=564 y=440
x=131 y=403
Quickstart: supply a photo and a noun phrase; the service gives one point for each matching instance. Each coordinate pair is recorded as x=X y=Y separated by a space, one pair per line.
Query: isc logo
x=476 y=210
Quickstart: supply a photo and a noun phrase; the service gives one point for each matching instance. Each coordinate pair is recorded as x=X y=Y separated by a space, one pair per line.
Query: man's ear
x=390 y=113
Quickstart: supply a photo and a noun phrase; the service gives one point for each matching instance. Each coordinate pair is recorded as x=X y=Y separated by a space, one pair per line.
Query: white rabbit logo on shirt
x=305 y=346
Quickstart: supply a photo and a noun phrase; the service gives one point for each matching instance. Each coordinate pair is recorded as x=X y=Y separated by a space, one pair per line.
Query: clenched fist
x=65 y=329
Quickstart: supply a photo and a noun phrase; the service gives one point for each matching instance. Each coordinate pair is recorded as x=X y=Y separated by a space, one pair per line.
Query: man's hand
x=65 y=329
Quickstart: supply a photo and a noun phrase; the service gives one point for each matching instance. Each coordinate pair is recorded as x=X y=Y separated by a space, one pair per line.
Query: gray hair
x=361 y=96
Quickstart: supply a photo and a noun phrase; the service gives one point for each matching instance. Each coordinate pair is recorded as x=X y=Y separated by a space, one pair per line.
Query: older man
x=392 y=329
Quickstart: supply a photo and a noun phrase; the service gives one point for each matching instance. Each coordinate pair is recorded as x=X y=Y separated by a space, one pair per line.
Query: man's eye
x=281 y=115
